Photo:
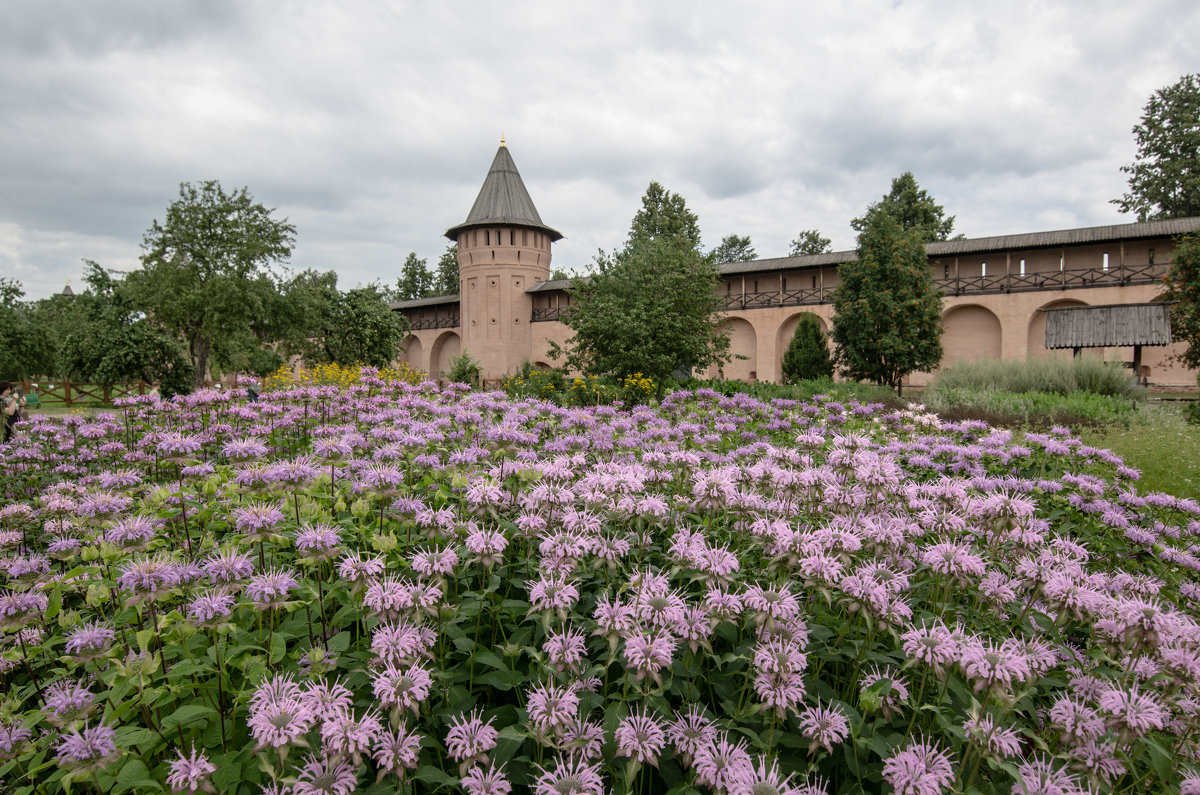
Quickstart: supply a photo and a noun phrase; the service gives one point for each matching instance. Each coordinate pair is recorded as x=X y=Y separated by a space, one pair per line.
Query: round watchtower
x=503 y=250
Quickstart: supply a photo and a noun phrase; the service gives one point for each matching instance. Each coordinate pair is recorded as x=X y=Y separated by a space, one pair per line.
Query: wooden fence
x=73 y=393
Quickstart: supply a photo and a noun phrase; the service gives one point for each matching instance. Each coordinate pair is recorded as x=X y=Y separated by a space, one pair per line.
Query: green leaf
x=134 y=776
x=187 y=714
x=278 y=648
x=144 y=638
x=434 y=775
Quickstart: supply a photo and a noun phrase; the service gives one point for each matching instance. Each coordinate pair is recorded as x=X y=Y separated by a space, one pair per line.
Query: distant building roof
x=417 y=303
x=67 y=290
x=982 y=245
x=1110 y=325
x=503 y=199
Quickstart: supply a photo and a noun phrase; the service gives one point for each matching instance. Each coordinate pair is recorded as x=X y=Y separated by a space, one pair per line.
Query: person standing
x=12 y=408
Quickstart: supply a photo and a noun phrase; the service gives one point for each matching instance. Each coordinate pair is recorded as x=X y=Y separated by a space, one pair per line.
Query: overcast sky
x=371 y=125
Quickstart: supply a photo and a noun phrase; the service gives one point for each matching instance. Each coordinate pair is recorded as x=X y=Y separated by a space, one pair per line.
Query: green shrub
x=1056 y=376
x=807 y=355
x=464 y=369
x=1034 y=410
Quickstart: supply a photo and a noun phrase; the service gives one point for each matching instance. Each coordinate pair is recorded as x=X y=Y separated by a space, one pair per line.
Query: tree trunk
x=200 y=349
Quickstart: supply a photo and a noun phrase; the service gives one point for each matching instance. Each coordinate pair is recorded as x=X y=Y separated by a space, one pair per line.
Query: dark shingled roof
x=417 y=303
x=503 y=200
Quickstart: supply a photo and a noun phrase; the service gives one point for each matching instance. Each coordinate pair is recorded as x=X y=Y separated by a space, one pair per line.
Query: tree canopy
x=21 y=346
x=209 y=274
x=912 y=208
x=1164 y=179
x=1183 y=288
x=112 y=340
x=650 y=308
x=733 y=248
x=810 y=241
x=415 y=279
x=663 y=215
x=887 y=311
x=446 y=274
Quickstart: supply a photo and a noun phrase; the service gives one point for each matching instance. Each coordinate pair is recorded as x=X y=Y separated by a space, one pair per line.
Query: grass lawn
x=1160 y=444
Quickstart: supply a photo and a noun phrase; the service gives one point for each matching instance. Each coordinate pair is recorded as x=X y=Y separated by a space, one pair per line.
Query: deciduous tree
x=1164 y=180
x=1183 y=288
x=209 y=274
x=810 y=241
x=651 y=308
x=912 y=208
x=733 y=248
x=664 y=215
x=415 y=279
x=446 y=276
x=887 y=320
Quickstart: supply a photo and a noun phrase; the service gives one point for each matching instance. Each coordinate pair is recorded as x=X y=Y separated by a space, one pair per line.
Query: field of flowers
x=388 y=587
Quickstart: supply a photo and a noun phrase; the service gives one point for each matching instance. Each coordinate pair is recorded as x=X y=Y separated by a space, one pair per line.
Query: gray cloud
x=371 y=125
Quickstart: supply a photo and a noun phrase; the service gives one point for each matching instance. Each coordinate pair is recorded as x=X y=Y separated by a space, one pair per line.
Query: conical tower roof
x=503 y=200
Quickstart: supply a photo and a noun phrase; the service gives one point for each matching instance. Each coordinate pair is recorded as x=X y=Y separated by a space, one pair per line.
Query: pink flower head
x=647 y=654
x=720 y=762
x=570 y=776
x=566 y=649
x=823 y=726
x=640 y=737
x=321 y=775
x=470 y=738
x=191 y=774
x=552 y=710
x=397 y=752
x=489 y=781
x=402 y=689
x=920 y=769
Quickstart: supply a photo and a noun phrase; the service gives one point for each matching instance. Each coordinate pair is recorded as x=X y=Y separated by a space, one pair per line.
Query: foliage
x=664 y=215
x=1164 y=180
x=588 y=390
x=1037 y=410
x=1053 y=375
x=733 y=248
x=446 y=275
x=464 y=369
x=283 y=590
x=207 y=275
x=810 y=241
x=912 y=208
x=22 y=350
x=1183 y=289
x=651 y=308
x=820 y=389
x=887 y=311
x=807 y=355
x=341 y=376
x=415 y=279
x=111 y=340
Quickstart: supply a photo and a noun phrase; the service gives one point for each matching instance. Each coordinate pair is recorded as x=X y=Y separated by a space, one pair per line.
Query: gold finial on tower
x=502 y=139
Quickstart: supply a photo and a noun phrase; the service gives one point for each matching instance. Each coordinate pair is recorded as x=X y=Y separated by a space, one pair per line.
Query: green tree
x=664 y=215
x=1164 y=180
x=415 y=279
x=355 y=326
x=112 y=340
x=810 y=241
x=208 y=274
x=446 y=275
x=650 y=308
x=807 y=355
x=22 y=347
x=733 y=248
x=1183 y=288
x=912 y=208
x=887 y=320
